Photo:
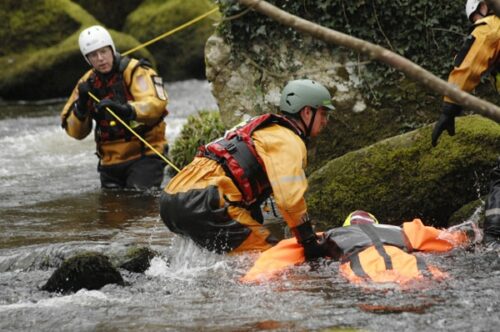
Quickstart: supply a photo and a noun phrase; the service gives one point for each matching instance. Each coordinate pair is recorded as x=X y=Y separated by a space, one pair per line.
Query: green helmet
x=298 y=94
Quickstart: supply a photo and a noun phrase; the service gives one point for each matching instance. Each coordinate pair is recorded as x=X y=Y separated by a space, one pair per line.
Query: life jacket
x=353 y=239
x=113 y=86
x=236 y=153
x=351 y=242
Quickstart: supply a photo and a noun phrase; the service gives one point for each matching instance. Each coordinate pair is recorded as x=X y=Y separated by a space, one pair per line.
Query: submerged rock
x=138 y=259
x=88 y=270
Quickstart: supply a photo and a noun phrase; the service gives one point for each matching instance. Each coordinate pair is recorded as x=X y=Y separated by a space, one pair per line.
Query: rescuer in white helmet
x=135 y=93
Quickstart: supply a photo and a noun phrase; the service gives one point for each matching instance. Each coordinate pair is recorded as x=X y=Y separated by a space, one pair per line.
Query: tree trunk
x=379 y=53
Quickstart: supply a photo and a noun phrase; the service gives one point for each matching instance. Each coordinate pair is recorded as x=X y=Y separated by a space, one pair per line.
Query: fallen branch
x=381 y=54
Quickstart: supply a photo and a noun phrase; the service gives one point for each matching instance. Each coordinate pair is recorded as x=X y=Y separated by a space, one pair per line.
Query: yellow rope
x=137 y=135
x=171 y=32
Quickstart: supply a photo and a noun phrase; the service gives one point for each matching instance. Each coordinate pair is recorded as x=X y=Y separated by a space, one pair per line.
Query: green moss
x=469 y=211
x=404 y=177
x=181 y=54
x=138 y=259
x=32 y=25
x=198 y=130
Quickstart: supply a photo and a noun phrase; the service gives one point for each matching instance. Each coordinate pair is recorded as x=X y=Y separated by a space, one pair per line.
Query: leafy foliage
x=199 y=129
x=427 y=32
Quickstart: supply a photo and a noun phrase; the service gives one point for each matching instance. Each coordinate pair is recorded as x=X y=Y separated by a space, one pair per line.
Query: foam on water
x=83 y=297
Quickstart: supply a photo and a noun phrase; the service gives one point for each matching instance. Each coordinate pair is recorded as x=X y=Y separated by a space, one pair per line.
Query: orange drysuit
x=480 y=54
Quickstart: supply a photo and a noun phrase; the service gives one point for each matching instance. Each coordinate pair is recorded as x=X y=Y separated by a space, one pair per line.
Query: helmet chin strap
x=311 y=123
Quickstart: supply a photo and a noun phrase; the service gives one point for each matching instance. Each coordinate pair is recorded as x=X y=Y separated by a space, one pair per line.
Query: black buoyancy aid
x=113 y=86
x=237 y=155
x=351 y=240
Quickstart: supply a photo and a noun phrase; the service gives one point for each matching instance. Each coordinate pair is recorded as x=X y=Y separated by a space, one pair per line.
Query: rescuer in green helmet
x=216 y=199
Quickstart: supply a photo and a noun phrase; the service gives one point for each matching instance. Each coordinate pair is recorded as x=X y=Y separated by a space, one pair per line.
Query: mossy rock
x=180 y=55
x=405 y=177
x=471 y=211
x=108 y=13
x=88 y=270
x=138 y=259
x=410 y=107
x=47 y=65
x=32 y=25
x=199 y=129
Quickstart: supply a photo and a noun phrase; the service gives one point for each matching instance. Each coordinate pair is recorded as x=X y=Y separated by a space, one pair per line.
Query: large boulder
x=244 y=88
x=405 y=177
x=251 y=57
x=179 y=56
x=40 y=56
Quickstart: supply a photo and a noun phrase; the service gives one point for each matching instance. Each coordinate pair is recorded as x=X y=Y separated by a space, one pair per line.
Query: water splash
x=187 y=262
x=470 y=227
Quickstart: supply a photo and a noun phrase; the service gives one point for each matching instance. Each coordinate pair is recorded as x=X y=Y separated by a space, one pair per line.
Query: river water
x=51 y=207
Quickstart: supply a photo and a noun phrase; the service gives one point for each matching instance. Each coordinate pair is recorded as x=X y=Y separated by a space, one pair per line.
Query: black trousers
x=492 y=208
x=197 y=214
x=143 y=173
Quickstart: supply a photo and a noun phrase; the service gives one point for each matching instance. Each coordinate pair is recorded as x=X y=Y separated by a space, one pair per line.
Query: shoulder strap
x=372 y=234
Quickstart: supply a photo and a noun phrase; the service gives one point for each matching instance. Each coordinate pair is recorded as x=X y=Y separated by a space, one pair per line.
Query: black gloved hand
x=307 y=238
x=125 y=111
x=81 y=106
x=446 y=121
x=313 y=250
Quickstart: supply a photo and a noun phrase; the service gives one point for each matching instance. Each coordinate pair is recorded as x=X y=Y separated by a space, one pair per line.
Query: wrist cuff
x=304 y=233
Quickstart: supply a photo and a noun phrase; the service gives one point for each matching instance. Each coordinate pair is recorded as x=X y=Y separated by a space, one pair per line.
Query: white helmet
x=94 y=38
x=471 y=6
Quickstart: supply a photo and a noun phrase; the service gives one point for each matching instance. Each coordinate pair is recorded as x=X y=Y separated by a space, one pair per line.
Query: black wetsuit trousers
x=143 y=173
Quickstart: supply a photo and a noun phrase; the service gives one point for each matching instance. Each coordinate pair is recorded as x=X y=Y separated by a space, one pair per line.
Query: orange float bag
x=271 y=262
x=427 y=238
x=369 y=265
